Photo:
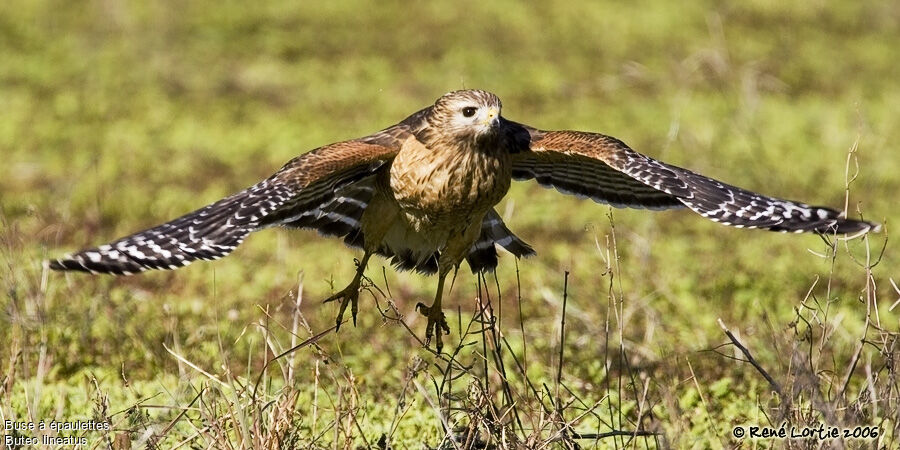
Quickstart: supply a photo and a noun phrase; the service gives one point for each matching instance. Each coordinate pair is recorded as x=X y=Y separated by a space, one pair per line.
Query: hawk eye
x=469 y=111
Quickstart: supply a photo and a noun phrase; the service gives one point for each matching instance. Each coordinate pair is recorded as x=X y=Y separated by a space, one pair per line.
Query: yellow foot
x=437 y=324
x=349 y=296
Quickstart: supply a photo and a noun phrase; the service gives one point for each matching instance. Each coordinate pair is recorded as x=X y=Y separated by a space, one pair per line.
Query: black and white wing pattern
x=608 y=171
x=302 y=193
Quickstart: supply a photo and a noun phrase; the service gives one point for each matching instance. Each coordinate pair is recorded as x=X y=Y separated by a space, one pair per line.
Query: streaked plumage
x=422 y=193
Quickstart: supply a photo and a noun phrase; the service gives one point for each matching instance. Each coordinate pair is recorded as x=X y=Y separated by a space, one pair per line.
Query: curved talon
x=436 y=326
x=349 y=296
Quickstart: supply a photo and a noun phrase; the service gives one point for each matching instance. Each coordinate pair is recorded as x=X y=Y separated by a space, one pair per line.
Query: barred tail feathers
x=483 y=255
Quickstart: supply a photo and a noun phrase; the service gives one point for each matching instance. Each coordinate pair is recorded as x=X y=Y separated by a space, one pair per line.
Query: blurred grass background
x=115 y=116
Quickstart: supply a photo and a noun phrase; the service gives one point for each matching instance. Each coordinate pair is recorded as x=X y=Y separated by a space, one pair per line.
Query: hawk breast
x=446 y=184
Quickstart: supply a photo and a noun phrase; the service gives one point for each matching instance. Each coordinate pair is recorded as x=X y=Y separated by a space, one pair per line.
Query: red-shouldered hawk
x=422 y=193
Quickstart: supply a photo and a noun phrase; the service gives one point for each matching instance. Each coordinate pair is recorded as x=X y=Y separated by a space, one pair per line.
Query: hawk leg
x=455 y=251
x=437 y=323
x=350 y=294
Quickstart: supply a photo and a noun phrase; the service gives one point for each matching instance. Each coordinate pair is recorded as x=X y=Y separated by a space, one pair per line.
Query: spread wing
x=305 y=192
x=606 y=170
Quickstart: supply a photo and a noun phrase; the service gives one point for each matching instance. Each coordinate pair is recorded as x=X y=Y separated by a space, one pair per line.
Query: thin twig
x=751 y=360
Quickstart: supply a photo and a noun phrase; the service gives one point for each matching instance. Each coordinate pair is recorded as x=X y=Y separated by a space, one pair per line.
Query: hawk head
x=468 y=115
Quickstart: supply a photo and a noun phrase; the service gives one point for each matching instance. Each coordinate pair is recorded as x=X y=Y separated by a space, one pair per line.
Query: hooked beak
x=492 y=119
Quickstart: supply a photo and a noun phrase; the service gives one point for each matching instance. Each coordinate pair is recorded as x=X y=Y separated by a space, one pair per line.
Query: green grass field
x=116 y=116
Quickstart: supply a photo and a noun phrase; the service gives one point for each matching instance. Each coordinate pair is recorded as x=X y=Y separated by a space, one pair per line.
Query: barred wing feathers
x=580 y=167
x=305 y=185
x=606 y=170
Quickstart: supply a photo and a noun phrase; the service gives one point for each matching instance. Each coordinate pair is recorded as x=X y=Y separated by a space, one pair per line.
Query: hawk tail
x=483 y=255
